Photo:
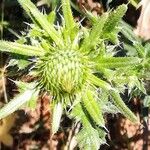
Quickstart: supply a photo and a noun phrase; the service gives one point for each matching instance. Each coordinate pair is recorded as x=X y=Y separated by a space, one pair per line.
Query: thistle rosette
x=77 y=67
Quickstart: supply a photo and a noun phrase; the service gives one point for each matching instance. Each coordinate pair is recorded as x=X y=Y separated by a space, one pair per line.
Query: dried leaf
x=5 y=125
x=143 y=26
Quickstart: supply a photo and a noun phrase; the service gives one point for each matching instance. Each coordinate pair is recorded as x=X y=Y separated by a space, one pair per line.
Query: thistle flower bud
x=62 y=71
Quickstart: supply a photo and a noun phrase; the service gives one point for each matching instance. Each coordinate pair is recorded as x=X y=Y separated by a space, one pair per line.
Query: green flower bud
x=62 y=71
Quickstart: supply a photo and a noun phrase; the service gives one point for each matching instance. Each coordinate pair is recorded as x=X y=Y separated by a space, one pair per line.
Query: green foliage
x=57 y=114
x=117 y=62
x=122 y=107
x=88 y=137
x=111 y=26
x=96 y=32
x=27 y=93
x=21 y=49
x=92 y=142
x=77 y=67
x=92 y=108
x=134 y=2
x=136 y=48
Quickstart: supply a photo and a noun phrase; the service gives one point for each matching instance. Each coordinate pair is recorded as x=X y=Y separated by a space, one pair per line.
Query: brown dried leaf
x=95 y=7
x=143 y=25
x=5 y=125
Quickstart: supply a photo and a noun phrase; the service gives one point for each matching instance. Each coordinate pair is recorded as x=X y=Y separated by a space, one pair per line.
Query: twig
x=71 y=142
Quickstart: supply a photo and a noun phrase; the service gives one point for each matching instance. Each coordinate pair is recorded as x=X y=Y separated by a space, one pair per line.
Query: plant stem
x=1 y=55
x=1 y=29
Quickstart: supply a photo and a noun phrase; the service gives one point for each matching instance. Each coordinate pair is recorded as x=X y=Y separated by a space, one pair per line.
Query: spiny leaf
x=114 y=18
x=21 y=63
x=54 y=3
x=92 y=108
x=116 y=98
x=105 y=104
x=140 y=49
x=122 y=107
x=88 y=139
x=51 y=17
x=92 y=18
x=127 y=31
x=110 y=30
x=98 y=82
x=21 y=49
x=57 y=114
x=110 y=108
x=134 y=81
x=40 y=19
x=77 y=112
x=17 y=102
x=26 y=4
x=69 y=20
x=92 y=40
x=147 y=50
x=117 y=62
x=131 y=51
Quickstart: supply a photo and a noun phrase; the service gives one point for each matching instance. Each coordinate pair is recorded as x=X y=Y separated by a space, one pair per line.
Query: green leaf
x=100 y=83
x=92 y=108
x=16 y=103
x=122 y=107
x=77 y=112
x=116 y=98
x=114 y=19
x=21 y=63
x=131 y=51
x=128 y=32
x=134 y=3
x=41 y=20
x=88 y=139
x=147 y=50
x=140 y=49
x=69 y=20
x=92 y=18
x=32 y=102
x=92 y=40
x=117 y=62
x=146 y=101
x=105 y=104
x=54 y=3
x=21 y=49
x=51 y=17
x=23 y=86
x=134 y=81
x=57 y=114
x=110 y=108
x=112 y=23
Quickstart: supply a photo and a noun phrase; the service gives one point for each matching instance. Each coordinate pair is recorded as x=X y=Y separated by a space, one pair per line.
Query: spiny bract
x=63 y=71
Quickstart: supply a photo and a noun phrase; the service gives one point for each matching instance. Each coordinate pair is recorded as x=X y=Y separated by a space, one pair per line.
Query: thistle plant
x=77 y=66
